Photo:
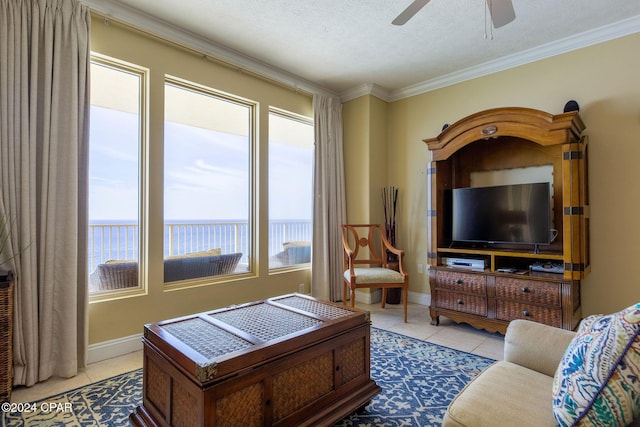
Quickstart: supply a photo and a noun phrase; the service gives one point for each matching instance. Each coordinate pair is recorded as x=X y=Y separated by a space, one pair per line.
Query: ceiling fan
x=501 y=12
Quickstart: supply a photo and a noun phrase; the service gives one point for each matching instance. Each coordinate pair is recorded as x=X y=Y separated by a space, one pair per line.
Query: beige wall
x=378 y=157
x=605 y=81
x=123 y=317
x=356 y=135
x=366 y=164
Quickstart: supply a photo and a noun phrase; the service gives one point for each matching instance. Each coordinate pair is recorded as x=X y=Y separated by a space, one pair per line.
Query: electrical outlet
x=301 y=288
x=420 y=268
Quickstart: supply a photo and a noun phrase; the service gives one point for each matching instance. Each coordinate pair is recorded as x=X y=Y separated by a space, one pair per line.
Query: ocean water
x=119 y=240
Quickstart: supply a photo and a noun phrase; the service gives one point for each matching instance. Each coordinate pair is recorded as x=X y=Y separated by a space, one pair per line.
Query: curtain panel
x=329 y=206
x=44 y=123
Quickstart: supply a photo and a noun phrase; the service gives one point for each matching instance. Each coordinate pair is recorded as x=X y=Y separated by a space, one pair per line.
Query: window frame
x=143 y=123
x=282 y=113
x=252 y=161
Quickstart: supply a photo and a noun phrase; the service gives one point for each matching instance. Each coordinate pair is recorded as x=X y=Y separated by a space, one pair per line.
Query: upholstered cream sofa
x=520 y=389
x=124 y=274
x=517 y=391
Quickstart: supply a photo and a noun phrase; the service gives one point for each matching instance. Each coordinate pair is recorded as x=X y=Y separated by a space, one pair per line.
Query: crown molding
x=588 y=38
x=112 y=9
x=366 y=89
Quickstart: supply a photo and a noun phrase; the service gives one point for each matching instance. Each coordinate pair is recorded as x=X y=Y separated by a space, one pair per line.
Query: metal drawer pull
x=525 y=313
x=525 y=289
x=459 y=281
x=460 y=302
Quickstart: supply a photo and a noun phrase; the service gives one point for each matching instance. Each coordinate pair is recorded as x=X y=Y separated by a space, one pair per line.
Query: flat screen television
x=514 y=214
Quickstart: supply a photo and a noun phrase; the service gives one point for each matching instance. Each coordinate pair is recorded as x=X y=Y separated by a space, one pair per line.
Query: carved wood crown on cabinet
x=498 y=139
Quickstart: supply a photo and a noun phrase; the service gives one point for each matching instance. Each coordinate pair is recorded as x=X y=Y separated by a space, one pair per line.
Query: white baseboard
x=114 y=348
x=419 y=298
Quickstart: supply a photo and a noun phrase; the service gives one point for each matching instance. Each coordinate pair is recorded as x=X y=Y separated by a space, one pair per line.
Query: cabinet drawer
x=461 y=282
x=462 y=302
x=546 y=293
x=509 y=310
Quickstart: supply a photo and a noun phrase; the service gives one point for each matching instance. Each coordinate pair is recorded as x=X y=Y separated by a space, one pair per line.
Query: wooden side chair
x=366 y=265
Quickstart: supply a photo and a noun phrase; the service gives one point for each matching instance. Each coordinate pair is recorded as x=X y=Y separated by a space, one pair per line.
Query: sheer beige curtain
x=44 y=106
x=329 y=209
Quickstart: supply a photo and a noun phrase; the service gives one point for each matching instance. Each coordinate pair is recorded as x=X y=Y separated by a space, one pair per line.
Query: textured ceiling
x=341 y=44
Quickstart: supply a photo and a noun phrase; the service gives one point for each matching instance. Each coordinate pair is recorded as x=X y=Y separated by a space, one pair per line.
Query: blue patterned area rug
x=418 y=381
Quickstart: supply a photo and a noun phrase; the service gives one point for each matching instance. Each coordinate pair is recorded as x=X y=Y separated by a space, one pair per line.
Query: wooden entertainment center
x=512 y=140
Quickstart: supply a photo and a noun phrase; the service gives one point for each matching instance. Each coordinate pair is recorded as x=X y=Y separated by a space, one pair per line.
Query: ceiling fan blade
x=408 y=13
x=501 y=12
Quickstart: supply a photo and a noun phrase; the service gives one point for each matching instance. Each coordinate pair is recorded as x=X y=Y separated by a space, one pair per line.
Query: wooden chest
x=288 y=360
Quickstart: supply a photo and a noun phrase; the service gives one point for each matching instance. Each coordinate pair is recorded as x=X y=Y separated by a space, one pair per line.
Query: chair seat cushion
x=375 y=275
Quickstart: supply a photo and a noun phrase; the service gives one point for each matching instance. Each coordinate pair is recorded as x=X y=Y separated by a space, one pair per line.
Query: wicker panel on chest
x=6 y=337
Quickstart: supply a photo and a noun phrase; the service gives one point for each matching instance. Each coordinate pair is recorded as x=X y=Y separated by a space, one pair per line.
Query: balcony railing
x=120 y=241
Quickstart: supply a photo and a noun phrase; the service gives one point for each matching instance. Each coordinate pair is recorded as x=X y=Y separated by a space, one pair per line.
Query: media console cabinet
x=285 y=361
x=511 y=140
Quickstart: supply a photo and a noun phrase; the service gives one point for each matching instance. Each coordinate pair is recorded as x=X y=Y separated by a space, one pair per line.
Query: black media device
x=514 y=214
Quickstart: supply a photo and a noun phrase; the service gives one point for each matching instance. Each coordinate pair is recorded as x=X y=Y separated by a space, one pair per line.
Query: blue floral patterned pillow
x=598 y=380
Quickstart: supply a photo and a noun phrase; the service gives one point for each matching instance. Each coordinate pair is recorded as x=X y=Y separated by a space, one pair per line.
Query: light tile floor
x=449 y=334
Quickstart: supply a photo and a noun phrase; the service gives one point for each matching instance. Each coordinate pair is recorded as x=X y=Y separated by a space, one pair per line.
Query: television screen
x=518 y=213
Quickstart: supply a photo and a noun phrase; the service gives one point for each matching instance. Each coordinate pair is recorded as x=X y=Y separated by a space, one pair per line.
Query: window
x=207 y=182
x=291 y=153
x=116 y=135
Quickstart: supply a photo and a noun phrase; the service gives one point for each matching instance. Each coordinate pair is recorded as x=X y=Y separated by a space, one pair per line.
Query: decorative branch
x=390 y=204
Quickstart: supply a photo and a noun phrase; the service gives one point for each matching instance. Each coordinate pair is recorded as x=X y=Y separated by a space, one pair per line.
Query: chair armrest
x=398 y=252
x=401 y=262
x=536 y=346
x=389 y=247
x=347 y=257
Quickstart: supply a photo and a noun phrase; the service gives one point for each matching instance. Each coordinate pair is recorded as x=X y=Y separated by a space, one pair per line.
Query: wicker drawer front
x=546 y=293
x=509 y=310
x=462 y=302
x=461 y=282
x=6 y=337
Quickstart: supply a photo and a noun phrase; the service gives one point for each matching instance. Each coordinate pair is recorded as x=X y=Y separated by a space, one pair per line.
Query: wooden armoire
x=509 y=142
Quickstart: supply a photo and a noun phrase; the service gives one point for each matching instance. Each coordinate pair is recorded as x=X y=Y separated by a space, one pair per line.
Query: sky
x=206 y=172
